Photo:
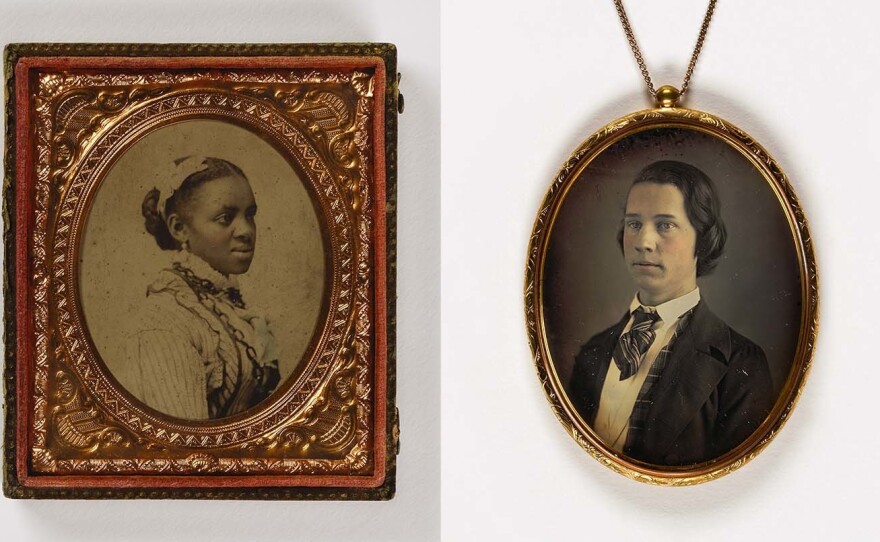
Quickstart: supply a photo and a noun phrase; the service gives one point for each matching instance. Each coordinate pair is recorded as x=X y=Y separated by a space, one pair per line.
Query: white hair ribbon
x=168 y=182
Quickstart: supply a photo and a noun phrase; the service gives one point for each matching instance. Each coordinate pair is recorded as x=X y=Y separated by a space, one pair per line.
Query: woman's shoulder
x=169 y=304
x=168 y=281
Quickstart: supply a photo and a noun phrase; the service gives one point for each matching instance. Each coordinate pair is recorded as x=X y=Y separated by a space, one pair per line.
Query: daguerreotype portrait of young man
x=670 y=303
x=201 y=293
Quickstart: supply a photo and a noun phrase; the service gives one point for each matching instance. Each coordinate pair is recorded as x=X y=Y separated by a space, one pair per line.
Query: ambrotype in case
x=200 y=275
x=671 y=296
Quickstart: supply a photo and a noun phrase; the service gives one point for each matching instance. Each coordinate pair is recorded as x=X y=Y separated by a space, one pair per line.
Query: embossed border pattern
x=564 y=411
x=333 y=432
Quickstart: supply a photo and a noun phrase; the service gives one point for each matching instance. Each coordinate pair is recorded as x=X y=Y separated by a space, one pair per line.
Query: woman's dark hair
x=155 y=222
x=701 y=203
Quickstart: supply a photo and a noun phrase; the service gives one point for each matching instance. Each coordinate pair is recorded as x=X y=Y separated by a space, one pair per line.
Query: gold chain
x=631 y=38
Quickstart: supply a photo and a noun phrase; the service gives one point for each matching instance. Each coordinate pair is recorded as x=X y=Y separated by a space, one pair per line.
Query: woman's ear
x=178 y=229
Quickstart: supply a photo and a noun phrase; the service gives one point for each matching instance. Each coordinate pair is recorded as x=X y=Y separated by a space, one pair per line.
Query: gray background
x=755 y=288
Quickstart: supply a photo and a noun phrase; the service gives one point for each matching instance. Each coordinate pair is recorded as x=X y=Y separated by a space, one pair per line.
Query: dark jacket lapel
x=697 y=362
x=591 y=367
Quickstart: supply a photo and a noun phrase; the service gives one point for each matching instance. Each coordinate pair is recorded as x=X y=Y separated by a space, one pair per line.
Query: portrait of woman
x=201 y=352
x=204 y=307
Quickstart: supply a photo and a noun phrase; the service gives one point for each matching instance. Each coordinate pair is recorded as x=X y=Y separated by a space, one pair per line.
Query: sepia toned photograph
x=673 y=301
x=205 y=283
x=198 y=286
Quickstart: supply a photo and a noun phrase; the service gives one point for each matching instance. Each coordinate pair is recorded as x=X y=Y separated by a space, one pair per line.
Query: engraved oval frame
x=337 y=226
x=788 y=396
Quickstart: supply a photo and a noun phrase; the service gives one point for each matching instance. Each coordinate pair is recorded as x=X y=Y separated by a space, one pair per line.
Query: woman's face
x=218 y=224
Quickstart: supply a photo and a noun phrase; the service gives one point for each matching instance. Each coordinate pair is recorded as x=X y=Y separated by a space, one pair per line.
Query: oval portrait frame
x=127 y=273
x=293 y=395
x=791 y=388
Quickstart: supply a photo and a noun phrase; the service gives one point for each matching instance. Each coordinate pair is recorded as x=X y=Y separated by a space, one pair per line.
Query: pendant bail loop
x=667 y=96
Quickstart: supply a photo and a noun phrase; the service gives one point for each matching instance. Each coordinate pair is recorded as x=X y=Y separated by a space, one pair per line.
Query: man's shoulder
x=603 y=337
x=740 y=345
x=732 y=343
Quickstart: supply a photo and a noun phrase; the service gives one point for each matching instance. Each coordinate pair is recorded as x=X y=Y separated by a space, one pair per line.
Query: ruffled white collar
x=203 y=270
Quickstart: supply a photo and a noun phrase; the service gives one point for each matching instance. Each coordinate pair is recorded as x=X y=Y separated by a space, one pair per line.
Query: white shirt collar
x=673 y=309
x=203 y=269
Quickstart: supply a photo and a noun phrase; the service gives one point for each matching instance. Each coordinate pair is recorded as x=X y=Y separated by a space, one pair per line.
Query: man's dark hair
x=701 y=203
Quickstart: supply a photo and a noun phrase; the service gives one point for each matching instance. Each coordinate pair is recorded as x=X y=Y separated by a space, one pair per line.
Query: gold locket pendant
x=647 y=207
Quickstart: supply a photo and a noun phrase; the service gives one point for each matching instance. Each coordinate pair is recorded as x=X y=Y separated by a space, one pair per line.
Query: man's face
x=659 y=243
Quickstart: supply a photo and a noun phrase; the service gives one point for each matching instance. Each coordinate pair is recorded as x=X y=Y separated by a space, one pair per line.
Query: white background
x=524 y=82
x=414 y=27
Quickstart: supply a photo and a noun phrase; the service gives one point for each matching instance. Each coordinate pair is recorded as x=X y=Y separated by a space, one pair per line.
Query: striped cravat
x=634 y=343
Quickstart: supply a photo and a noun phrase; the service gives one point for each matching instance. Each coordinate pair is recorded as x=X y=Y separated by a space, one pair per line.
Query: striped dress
x=189 y=356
